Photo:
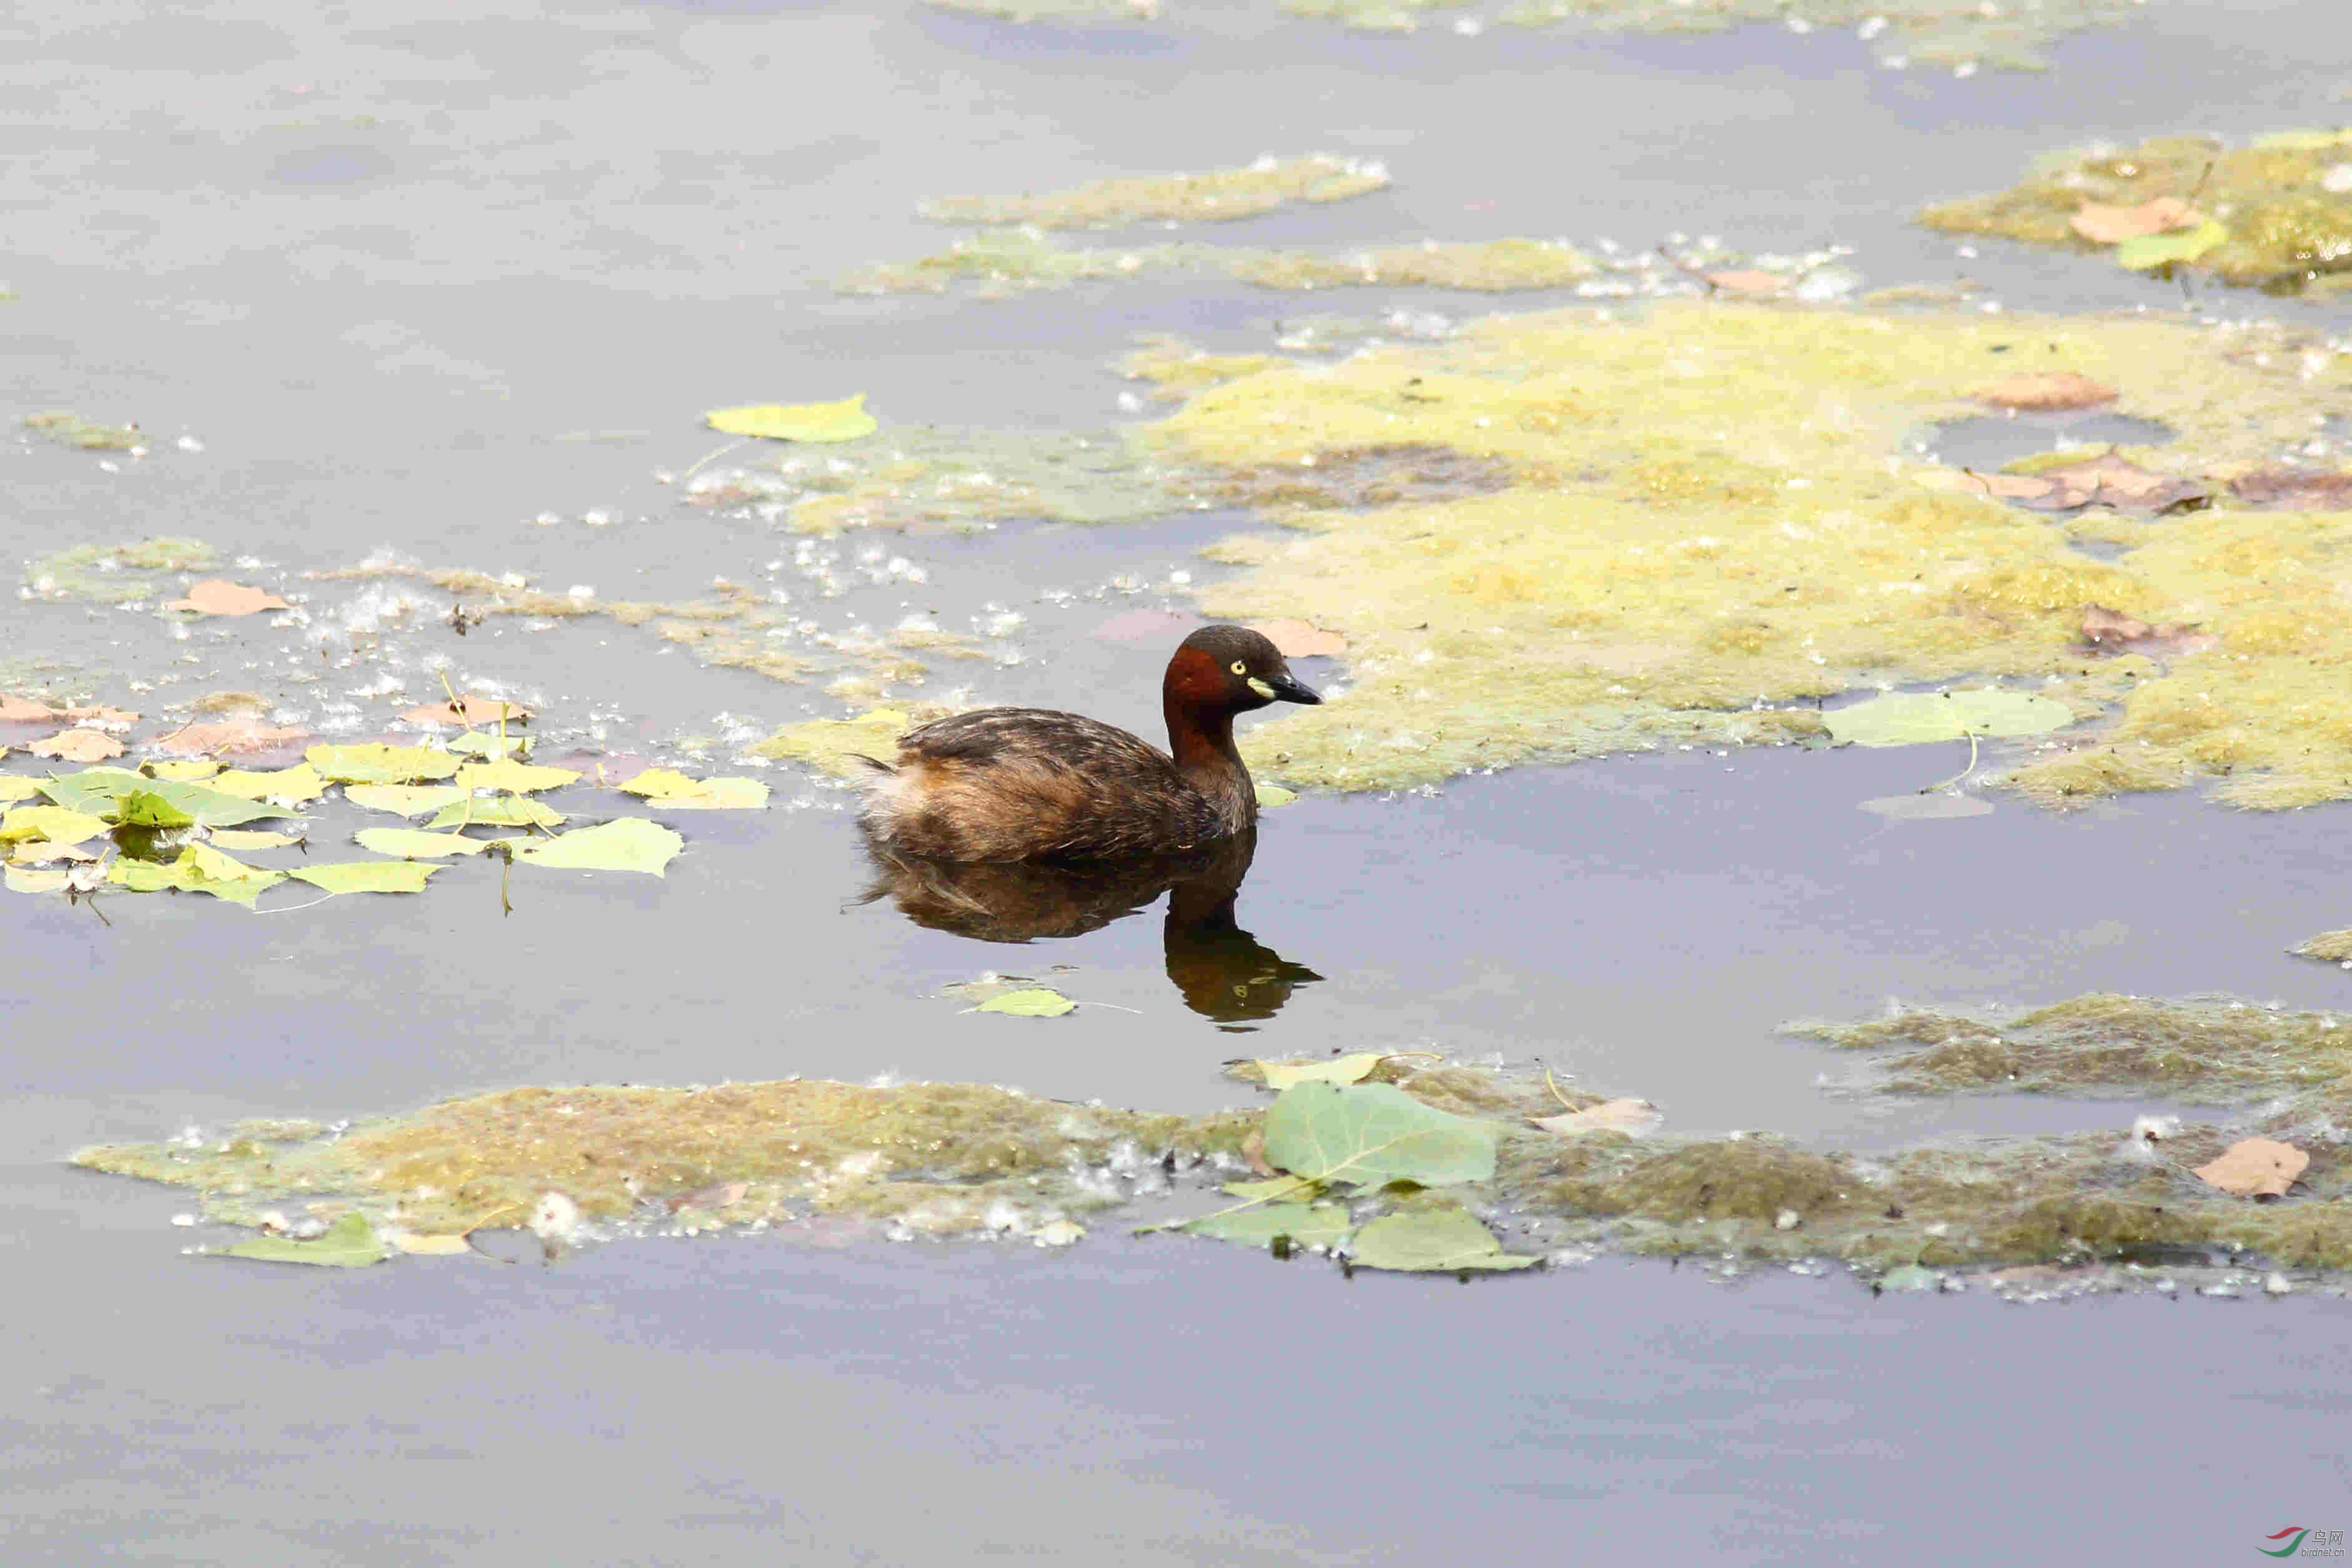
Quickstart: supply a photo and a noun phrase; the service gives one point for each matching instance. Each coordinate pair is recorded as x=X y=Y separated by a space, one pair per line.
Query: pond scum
x=930 y=1159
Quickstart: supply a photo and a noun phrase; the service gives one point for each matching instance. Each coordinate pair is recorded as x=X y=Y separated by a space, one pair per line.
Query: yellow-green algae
x=1215 y=196
x=1716 y=511
x=1494 y=266
x=2284 y=200
x=116 y=574
x=961 y=1158
x=69 y=429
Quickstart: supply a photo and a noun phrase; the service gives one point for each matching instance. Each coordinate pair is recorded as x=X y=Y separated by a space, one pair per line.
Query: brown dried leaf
x=716 y=1197
x=215 y=596
x=2111 y=631
x=1634 y=1117
x=77 y=746
x=17 y=710
x=2114 y=481
x=224 y=740
x=1748 y=282
x=2254 y=1167
x=428 y=1245
x=2278 y=490
x=471 y=709
x=2104 y=225
x=1299 y=639
x=2045 y=390
x=111 y=718
x=1254 y=1152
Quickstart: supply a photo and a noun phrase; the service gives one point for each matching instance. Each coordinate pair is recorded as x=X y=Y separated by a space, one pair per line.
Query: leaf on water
x=185 y=772
x=149 y=809
x=1373 y=1133
x=844 y=421
x=283 y=787
x=2042 y=390
x=2113 y=480
x=1032 y=1002
x=1930 y=805
x=2112 y=631
x=498 y=811
x=1304 y=1224
x=24 y=879
x=367 y=876
x=1300 y=639
x=2254 y=1167
x=403 y=800
x=242 y=838
x=415 y=844
x=667 y=786
x=473 y=708
x=627 y=844
x=217 y=597
x=2104 y=225
x=375 y=762
x=350 y=1243
x=1274 y=1189
x=76 y=746
x=417 y=1246
x=1634 y=1118
x=1353 y=1069
x=16 y=788
x=2294 y=489
x=56 y=824
x=104 y=791
x=483 y=743
x=505 y=773
x=1911 y=719
x=1270 y=796
x=1748 y=282
x=1433 y=1241
x=211 y=739
x=17 y=710
x=2151 y=250
x=198 y=870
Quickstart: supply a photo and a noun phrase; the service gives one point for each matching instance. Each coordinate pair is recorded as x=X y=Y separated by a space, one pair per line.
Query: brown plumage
x=1028 y=784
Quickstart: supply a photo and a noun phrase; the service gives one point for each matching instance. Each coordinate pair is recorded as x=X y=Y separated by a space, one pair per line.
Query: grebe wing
x=1031 y=735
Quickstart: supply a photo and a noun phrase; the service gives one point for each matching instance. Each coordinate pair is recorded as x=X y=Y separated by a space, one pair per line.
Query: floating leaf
x=217 y=597
x=1305 y=1225
x=1270 y=796
x=1353 y=1069
x=16 y=788
x=149 y=809
x=198 y=870
x=105 y=792
x=2112 y=631
x=628 y=844
x=1300 y=639
x=367 y=876
x=55 y=824
x=2045 y=390
x=429 y=1245
x=1634 y=1118
x=2254 y=1167
x=505 y=773
x=844 y=421
x=403 y=800
x=2102 y=224
x=1910 y=719
x=17 y=710
x=498 y=811
x=1748 y=282
x=667 y=786
x=241 y=839
x=76 y=746
x=1433 y=1241
x=285 y=786
x=2294 y=489
x=471 y=709
x=1373 y=1133
x=24 y=879
x=185 y=772
x=350 y=1243
x=209 y=740
x=2150 y=250
x=375 y=762
x=415 y=844
x=1032 y=1002
x=482 y=743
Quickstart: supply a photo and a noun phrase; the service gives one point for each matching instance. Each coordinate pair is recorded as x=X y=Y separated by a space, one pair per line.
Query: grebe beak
x=1283 y=687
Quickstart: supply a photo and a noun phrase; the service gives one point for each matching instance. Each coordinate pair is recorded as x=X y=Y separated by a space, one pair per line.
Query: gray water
x=381 y=264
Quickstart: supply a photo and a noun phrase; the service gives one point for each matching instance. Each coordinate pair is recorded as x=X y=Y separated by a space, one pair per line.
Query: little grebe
x=1026 y=784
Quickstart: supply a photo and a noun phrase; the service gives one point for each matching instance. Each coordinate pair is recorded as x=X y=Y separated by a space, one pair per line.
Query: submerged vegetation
x=1216 y=196
x=1393 y=1161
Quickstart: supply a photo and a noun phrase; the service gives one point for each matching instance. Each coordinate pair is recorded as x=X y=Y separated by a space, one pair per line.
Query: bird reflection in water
x=1223 y=971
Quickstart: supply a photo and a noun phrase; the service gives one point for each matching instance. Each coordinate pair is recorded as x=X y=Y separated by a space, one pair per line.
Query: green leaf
x=92 y=790
x=498 y=811
x=146 y=808
x=479 y=743
x=350 y=1243
x=187 y=773
x=200 y=868
x=1352 y=1069
x=414 y=844
x=1273 y=1187
x=1373 y=1133
x=669 y=787
x=1035 y=1002
x=403 y=800
x=1270 y=796
x=1433 y=1241
x=1307 y=1224
x=242 y=838
x=375 y=762
x=627 y=844
x=1909 y=719
x=2144 y=251
x=31 y=880
x=367 y=876
x=285 y=786
x=509 y=775
x=55 y=824
x=844 y=421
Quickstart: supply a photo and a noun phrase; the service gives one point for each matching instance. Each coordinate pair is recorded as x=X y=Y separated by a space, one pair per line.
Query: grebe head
x=1232 y=669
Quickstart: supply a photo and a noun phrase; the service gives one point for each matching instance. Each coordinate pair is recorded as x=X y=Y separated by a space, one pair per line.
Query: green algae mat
x=1397 y=1161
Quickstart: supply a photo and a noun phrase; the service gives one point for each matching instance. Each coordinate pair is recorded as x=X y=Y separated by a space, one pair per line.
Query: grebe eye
x=1241 y=666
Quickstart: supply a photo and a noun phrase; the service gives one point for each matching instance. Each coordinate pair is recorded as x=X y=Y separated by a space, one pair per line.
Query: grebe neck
x=1201 y=742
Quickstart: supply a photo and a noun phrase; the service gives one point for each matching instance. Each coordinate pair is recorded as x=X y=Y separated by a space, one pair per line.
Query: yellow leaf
x=298 y=783
x=54 y=823
x=844 y=421
x=509 y=775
